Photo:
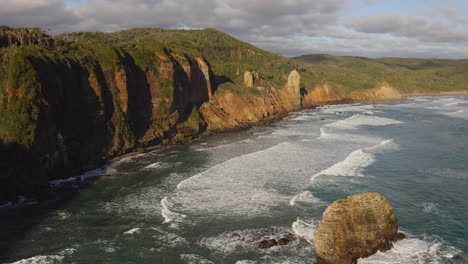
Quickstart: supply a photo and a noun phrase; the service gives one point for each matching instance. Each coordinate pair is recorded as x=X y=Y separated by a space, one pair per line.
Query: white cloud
x=417 y=27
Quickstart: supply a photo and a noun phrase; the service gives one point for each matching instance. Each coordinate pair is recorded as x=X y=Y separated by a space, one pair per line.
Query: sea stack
x=356 y=227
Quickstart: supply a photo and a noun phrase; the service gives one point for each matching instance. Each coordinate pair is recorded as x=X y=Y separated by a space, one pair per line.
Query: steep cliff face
x=325 y=94
x=229 y=110
x=72 y=103
x=384 y=92
x=69 y=117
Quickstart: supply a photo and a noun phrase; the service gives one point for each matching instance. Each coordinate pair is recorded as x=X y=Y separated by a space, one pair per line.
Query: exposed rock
x=291 y=237
x=236 y=235
x=283 y=241
x=205 y=69
x=250 y=78
x=356 y=227
x=384 y=92
x=322 y=95
x=66 y=115
x=267 y=243
x=294 y=82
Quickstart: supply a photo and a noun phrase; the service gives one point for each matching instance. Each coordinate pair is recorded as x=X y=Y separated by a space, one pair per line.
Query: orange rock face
x=104 y=111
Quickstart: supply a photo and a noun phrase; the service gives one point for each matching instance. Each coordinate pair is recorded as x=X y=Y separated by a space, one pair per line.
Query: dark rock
x=398 y=237
x=267 y=243
x=283 y=241
x=291 y=237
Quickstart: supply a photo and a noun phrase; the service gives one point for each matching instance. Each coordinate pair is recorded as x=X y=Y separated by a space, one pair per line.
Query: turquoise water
x=210 y=200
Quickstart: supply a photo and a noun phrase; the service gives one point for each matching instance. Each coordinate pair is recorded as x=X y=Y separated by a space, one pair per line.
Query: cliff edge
x=71 y=102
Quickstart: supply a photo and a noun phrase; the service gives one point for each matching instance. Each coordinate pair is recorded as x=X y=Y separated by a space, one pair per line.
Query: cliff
x=71 y=102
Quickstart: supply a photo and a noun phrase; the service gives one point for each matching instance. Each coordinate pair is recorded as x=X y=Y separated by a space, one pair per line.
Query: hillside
x=406 y=75
x=71 y=102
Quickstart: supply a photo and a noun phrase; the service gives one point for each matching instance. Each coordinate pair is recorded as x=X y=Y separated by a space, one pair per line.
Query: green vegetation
x=19 y=110
x=407 y=75
x=239 y=90
x=228 y=57
x=23 y=36
x=25 y=53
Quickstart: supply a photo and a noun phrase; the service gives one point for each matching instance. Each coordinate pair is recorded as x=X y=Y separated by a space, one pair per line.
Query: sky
x=369 y=28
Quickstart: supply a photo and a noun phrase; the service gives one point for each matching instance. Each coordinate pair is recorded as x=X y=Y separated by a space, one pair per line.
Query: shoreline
x=452 y=93
x=107 y=163
x=267 y=122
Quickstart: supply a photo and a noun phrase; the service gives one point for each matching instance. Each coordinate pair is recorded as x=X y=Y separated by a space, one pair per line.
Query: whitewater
x=209 y=201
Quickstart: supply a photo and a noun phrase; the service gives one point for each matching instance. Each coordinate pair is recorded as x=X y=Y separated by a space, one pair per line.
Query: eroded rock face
x=251 y=78
x=356 y=227
x=205 y=70
x=294 y=82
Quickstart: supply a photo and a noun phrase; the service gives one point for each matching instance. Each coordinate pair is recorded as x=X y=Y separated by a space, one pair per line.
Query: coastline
x=106 y=163
x=206 y=134
x=453 y=93
x=77 y=206
x=267 y=122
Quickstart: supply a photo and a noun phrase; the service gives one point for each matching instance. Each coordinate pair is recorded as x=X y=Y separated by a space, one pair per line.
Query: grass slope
x=407 y=75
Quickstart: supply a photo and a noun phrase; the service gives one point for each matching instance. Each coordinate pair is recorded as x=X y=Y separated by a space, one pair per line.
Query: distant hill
x=406 y=75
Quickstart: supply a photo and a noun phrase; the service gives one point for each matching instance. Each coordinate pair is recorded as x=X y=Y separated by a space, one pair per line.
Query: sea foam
x=41 y=260
x=305 y=198
x=195 y=259
x=345 y=129
x=358 y=160
x=170 y=216
x=413 y=250
x=305 y=228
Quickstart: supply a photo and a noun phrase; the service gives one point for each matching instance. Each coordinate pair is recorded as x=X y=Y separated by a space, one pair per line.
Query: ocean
x=211 y=200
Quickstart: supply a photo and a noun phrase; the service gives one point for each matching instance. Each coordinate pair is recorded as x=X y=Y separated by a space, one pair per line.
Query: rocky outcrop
x=355 y=227
x=251 y=78
x=384 y=92
x=323 y=94
x=228 y=111
x=204 y=80
x=294 y=82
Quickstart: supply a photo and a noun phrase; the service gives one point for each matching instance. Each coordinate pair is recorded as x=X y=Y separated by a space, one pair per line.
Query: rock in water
x=356 y=227
x=267 y=243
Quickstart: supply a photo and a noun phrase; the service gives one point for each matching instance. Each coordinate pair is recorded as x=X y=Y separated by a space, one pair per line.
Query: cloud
x=410 y=26
x=238 y=16
x=36 y=13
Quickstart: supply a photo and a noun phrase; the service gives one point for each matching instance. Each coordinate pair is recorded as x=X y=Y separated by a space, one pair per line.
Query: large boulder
x=356 y=227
